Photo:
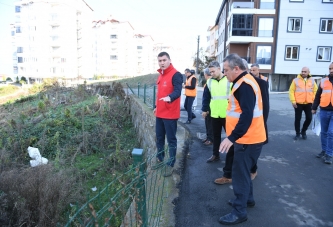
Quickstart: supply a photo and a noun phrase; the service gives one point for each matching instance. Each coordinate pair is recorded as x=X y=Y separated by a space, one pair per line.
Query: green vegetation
x=7 y=90
x=86 y=137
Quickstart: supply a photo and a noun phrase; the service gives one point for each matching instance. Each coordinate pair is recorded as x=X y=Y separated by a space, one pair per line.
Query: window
x=296 y=0
x=15 y=70
x=139 y=47
x=19 y=50
x=326 y=25
x=267 y=4
x=114 y=57
x=17 y=9
x=327 y=1
x=264 y=54
x=113 y=36
x=13 y=33
x=292 y=53
x=324 y=53
x=241 y=25
x=18 y=29
x=20 y=60
x=294 y=24
x=265 y=27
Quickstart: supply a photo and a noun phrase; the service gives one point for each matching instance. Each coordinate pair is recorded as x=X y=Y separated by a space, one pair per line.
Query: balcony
x=242 y=5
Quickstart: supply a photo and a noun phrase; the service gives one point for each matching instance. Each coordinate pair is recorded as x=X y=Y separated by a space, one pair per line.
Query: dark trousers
x=209 y=127
x=188 y=107
x=229 y=158
x=246 y=156
x=298 y=116
x=217 y=124
x=169 y=128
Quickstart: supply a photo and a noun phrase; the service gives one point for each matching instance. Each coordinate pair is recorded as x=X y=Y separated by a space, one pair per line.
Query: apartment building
x=145 y=54
x=115 y=50
x=52 y=39
x=212 y=40
x=280 y=35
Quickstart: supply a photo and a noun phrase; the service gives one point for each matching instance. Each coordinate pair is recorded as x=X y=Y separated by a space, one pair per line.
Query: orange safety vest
x=256 y=132
x=263 y=78
x=326 y=96
x=189 y=92
x=304 y=90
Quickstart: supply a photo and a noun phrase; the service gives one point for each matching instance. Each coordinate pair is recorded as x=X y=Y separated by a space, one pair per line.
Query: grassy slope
x=59 y=130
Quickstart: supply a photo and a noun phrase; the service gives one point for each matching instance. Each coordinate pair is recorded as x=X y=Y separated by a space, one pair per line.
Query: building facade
x=52 y=39
x=281 y=36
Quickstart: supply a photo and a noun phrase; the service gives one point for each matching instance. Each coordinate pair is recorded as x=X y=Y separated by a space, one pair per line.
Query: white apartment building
x=52 y=39
x=115 y=50
x=145 y=54
x=212 y=40
x=281 y=36
x=304 y=38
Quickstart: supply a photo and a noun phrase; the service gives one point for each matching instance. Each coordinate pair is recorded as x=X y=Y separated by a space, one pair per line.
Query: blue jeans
x=326 y=134
x=166 y=127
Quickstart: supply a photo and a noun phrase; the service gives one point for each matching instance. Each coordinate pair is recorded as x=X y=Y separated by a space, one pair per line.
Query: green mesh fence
x=145 y=92
x=137 y=202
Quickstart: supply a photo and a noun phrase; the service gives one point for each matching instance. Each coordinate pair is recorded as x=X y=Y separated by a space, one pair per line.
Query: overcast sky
x=174 y=22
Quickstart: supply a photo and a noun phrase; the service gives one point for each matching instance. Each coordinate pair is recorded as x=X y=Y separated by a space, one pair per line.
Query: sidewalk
x=293 y=187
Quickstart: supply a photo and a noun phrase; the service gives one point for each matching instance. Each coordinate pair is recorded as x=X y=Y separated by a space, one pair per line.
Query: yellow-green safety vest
x=219 y=92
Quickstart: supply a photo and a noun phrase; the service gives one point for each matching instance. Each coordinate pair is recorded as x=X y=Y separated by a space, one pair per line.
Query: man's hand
x=154 y=111
x=204 y=114
x=166 y=99
x=314 y=111
x=225 y=145
x=294 y=105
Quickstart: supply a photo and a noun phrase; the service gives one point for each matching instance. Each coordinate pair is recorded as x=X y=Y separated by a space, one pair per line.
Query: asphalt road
x=293 y=187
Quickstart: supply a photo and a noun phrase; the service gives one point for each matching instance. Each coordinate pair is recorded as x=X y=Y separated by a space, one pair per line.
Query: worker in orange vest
x=190 y=93
x=246 y=132
x=301 y=94
x=324 y=98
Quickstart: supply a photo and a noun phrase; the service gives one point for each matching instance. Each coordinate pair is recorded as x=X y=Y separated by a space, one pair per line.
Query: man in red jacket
x=167 y=111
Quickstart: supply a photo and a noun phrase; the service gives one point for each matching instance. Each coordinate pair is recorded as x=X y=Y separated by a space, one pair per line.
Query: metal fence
x=145 y=92
x=138 y=202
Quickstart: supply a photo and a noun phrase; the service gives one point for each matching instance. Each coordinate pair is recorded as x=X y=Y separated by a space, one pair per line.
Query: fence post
x=137 y=155
x=139 y=89
x=154 y=96
x=144 y=93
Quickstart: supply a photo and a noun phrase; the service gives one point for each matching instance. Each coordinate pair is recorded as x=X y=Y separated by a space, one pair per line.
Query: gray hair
x=245 y=64
x=234 y=60
x=206 y=71
x=214 y=64
x=255 y=65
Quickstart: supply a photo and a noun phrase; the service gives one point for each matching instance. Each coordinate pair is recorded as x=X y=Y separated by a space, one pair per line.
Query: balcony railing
x=242 y=5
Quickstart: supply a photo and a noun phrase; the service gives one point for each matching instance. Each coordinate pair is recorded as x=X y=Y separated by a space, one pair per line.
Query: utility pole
x=197 y=65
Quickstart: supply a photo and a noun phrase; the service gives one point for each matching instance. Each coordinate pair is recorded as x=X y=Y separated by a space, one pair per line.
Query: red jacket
x=167 y=110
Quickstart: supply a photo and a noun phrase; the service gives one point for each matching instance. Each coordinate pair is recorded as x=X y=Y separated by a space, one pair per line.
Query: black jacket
x=246 y=98
x=316 y=101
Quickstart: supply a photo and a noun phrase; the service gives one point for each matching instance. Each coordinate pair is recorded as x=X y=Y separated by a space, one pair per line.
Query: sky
x=173 y=22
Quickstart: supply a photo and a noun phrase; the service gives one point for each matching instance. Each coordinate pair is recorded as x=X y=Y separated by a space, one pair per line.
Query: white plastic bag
x=316 y=127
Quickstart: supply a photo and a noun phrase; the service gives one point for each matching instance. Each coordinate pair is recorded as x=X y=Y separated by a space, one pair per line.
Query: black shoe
x=231 y=219
x=297 y=137
x=193 y=116
x=249 y=204
x=213 y=158
x=304 y=137
x=321 y=154
x=328 y=159
x=187 y=122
